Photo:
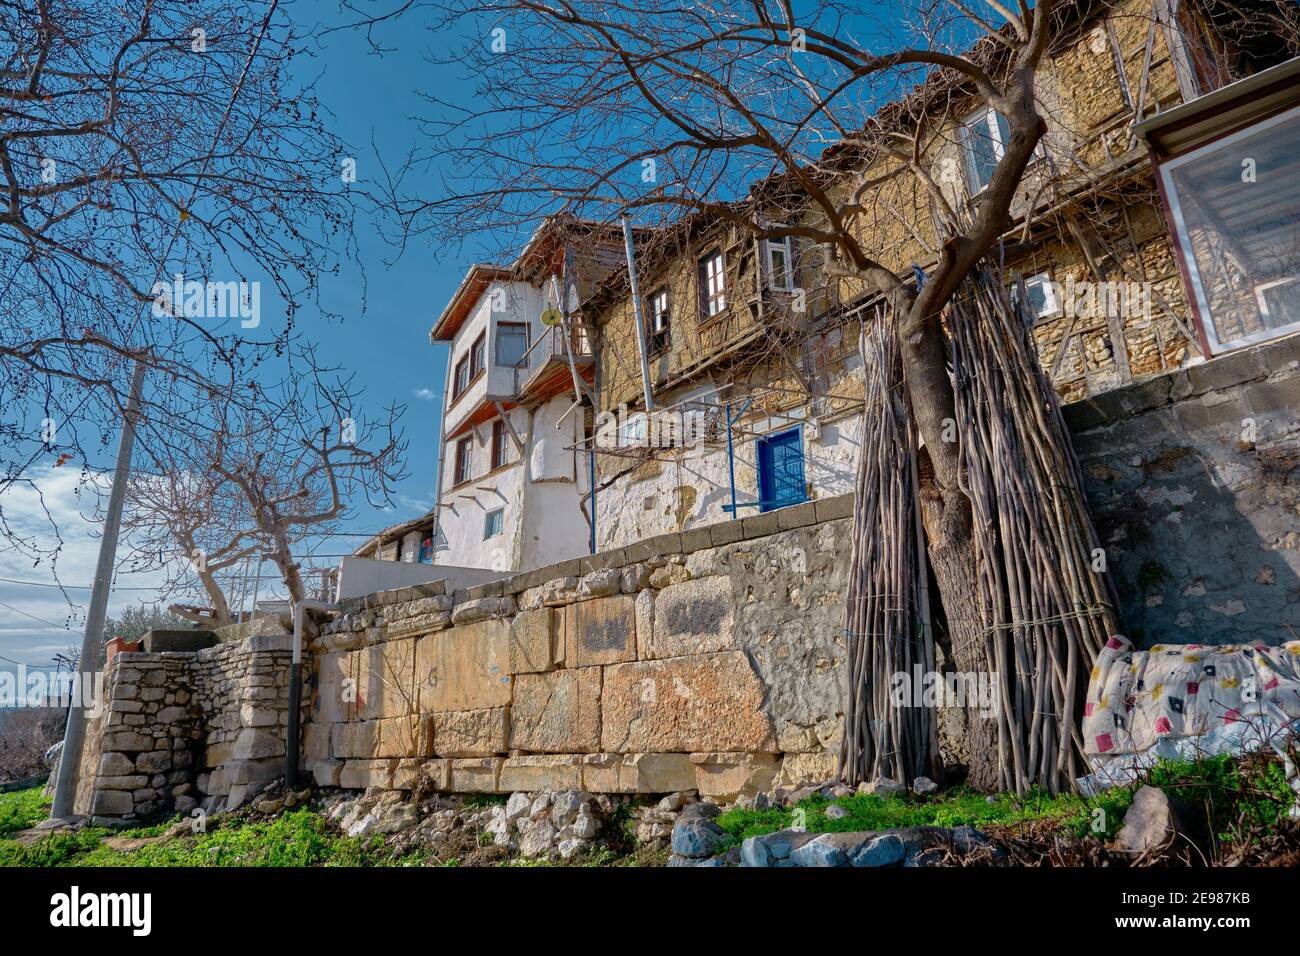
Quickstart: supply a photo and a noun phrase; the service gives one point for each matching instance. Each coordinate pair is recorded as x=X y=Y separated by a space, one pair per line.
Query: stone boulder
x=1155 y=822
x=696 y=836
x=909 y=846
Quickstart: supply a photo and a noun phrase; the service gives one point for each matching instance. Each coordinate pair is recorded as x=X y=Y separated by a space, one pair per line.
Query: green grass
x=1236 y=794
x=296 y=838
x=1237 y=797
x=481 y=801
x=955 y=808
x=22 y=810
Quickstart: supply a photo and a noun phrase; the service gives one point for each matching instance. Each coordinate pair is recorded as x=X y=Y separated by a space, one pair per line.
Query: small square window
x=1041 y=297
x=493 y=523
x=512 y=344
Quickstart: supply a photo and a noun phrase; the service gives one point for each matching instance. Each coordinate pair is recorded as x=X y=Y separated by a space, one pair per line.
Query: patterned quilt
x=1186 y=700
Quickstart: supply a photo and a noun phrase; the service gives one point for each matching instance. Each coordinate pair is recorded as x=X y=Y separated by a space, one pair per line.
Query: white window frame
x=468 y=443
x=714 y=269
x=500 y=515
x=581 y=340
x=633 y=433
x=1190 y=267
x=784 y=283
x=1051 y=303
x=661 y=318
x=989 y=116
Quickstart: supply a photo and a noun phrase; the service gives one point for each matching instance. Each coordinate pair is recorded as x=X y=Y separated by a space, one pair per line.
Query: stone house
x=701 y=648
x=1115 y=259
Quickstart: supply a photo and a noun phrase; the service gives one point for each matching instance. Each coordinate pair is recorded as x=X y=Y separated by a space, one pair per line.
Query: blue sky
x=372 y=98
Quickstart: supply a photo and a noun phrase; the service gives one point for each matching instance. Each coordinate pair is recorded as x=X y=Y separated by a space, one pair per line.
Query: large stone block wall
x=1194 y=482
x=709 y=660
x=183 y=729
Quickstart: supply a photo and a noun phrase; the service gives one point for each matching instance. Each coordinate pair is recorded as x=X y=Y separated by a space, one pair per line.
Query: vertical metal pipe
x=731 y=462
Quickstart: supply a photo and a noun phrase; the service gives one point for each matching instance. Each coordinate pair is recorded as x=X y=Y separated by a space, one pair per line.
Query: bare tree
x=140 y=142
x=782 y=123
x=263 y=476
x=192 y=524
x=302 y=458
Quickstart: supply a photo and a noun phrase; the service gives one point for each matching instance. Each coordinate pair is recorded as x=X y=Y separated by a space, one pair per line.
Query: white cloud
x=40 y=620
x=423 y=394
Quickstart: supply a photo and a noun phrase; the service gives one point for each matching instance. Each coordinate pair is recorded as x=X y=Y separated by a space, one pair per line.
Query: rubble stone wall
x=180 y=729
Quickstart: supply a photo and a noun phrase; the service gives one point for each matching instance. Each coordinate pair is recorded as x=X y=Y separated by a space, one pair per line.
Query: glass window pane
x=1237 y=213
x=986 y=136
x=512 y=343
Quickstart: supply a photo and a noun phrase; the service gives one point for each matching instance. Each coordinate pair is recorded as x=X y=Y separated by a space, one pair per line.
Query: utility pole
x=74 y=736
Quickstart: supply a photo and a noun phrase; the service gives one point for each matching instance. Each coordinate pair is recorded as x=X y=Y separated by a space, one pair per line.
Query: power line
x=61 y=627
x=10 y=660
x=74 y=587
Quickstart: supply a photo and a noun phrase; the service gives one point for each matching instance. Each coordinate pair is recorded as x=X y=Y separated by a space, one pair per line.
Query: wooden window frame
x=703 y=274
x=464 y=463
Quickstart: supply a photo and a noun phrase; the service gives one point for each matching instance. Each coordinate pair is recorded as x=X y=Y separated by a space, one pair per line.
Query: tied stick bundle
x=1045 y=612
x=888 y=611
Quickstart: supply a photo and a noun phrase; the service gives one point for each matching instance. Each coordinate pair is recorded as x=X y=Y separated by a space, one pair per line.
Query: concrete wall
x=1194 y=481
x=361 y=576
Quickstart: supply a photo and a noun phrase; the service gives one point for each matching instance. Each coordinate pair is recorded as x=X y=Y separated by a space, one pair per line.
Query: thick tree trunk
x=952 y=558
x=220 y=606
x=946 y=514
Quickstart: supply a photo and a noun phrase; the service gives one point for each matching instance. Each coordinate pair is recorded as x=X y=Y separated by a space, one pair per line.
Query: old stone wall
x=1194 y=482
x=709 y=660
x=179 y=729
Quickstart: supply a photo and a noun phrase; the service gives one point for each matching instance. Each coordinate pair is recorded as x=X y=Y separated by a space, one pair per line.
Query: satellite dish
x=552 y=317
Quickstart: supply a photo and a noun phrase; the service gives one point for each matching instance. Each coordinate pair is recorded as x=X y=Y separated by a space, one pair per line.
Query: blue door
x=780 y=470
